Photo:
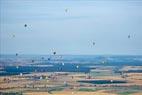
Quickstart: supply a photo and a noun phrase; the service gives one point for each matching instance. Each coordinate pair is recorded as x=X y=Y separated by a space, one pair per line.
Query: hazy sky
x=50 y=28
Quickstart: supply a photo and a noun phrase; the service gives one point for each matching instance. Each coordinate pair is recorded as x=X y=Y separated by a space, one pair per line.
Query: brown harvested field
x=18 y=83
x=70 y=83
x=69 y=93
x=140 y=93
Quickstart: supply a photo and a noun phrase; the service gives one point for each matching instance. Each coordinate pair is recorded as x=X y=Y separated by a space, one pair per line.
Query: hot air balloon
x=16 y=54
x=66 y=10
x=129 y=36
x=13 y=36
x=48 y=59
x=25 y=25
x=33 y=61
x=77 y=66
x=54 y=53
x=93 y=43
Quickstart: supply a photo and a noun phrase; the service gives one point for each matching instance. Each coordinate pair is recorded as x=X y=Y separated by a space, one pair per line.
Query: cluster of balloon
x=128 y=37
x=14 y=37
